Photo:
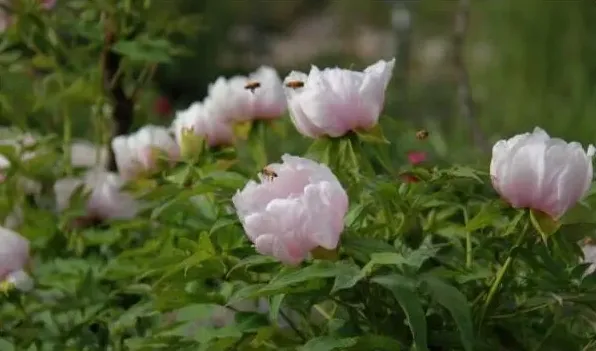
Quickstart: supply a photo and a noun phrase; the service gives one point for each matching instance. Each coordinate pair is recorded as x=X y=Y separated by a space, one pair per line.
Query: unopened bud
x=191 y=145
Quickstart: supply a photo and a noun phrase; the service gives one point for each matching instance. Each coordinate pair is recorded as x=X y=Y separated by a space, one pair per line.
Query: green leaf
x=250 y=322
x=251 y=261
x=463 y=172
x=223 y=223
x=256 y=143
x=484 y=218
x=150 y=51
x=242 y=130
x=320 y=150
x=346 y=281
x=43 y=61
x=328 y=343
x=404 y=292
x=10 y=152
x=373 y=135
x=349 y=279
x=356 y=212
x=363 y=248
x=274 y=306
x=348 y=159
x=6 y=345
x=579 y=214
x=318 y=270
x=457 y=305
x=544 y=224
x=373 y=342
x=244 y=293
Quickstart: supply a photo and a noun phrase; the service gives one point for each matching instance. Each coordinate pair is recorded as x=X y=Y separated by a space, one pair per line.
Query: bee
x=422 y=134
x=252 y=86
x=295 y=84
x=269 y=174
x=588 y=241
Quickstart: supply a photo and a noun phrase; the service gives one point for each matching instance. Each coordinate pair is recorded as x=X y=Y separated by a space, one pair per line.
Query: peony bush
x=275 y=213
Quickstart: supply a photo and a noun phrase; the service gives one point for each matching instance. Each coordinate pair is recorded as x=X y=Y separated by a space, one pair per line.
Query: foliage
x=437 y=262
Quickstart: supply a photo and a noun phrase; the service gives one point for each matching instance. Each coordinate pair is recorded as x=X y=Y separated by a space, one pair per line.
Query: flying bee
x=422 y=134
x=295 y=84
x=252 y=86
x=269 y=174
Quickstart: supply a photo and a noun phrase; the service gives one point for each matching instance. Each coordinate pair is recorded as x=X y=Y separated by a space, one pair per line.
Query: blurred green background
x=530 y=63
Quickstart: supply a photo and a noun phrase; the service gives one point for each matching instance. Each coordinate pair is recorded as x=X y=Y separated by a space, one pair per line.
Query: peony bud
x=416 y=157
x=336 y=101
x=137 y=153
x=162 y=106
x=298 y=206
x=200 y=121
x=546 y=174
x=14 y=255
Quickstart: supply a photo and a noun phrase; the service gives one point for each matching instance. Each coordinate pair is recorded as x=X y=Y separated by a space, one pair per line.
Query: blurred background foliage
x=530 y=62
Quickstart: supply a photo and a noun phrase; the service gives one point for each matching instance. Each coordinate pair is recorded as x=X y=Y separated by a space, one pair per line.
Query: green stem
x=468 y=250
x=468 y=242
x=66 y=142
x=501 y=274
x=66 y=136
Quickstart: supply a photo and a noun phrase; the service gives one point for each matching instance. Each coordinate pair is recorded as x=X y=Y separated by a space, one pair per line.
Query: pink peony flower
x=137 y=153
x=335 y=101
x=231 y=102
x=204 y=122
x=14 y=255
x=48 y=4
x=416 y=157
x=85 y=154
x=5 y=19
x=300 y=206
x=268 y=100
x=106 y=199
x=258 y=96
x=533 y=170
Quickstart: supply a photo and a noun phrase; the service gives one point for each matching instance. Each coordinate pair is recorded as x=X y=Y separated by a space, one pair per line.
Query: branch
x=464 y=92
x=123 y=111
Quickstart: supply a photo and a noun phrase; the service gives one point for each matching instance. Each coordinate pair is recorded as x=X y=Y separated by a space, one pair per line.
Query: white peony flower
x=533 y=170
x=335 y=101
x=138 y=153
